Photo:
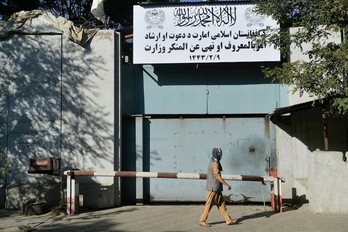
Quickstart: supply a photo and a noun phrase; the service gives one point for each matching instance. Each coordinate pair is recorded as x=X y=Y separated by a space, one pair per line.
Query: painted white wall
x=327 y=180
x=307 y=171
x=30 y=113
x=88 y=130
x=60 y=103
x=318 y=176
x=311 y=174
x=293 y=161
x=285 y=161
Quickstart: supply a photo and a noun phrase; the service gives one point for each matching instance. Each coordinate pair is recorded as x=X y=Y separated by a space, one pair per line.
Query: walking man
x=214 y=187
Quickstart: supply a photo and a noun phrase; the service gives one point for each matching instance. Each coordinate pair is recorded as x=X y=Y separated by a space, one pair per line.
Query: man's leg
x=220 y=202
x=208 y=205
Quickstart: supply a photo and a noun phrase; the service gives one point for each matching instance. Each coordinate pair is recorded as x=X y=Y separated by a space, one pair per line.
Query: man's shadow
x=265 y=214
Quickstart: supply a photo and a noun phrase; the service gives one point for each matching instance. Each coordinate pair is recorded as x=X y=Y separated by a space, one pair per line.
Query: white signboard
x=199 y=34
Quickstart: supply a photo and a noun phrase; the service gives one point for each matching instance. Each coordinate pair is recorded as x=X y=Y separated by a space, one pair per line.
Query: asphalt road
x=178 y=218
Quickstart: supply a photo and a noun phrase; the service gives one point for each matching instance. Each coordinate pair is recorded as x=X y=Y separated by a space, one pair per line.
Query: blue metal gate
x=185 y=144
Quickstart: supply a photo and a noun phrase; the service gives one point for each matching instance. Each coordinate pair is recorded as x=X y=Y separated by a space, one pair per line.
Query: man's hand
x=222 y=181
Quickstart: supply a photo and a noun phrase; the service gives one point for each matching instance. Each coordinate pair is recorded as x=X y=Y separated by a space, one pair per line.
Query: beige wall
x=58 y=100
x=327 y=183
x=311 y=174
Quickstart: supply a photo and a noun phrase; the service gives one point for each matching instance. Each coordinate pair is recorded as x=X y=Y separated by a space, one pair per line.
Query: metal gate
x=185 y=144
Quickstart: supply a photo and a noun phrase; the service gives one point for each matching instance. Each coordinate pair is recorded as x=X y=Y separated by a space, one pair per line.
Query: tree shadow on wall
x=51 y=107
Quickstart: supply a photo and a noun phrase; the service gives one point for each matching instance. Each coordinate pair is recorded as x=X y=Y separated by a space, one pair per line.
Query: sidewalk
x=178 y=218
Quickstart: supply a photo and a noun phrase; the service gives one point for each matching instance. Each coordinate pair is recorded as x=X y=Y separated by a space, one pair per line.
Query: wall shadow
x=48 y=109
x=307 y=125
x=210 y=74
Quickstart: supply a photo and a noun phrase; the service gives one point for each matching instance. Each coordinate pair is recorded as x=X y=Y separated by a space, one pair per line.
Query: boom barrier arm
x=73 y=184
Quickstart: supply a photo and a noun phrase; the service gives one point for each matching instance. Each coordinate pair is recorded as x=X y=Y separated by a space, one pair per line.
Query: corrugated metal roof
x=298 y=107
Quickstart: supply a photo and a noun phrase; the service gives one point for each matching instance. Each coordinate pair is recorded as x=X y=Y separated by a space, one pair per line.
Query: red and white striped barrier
x=73 y=191
x=276 y=191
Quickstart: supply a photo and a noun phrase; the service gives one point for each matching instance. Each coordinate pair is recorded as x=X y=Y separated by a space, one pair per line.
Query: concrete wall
x=30 y=82
x=58 y=100
x=88 y=116
x=327 y=183
x=311 y=174
x=293 y=162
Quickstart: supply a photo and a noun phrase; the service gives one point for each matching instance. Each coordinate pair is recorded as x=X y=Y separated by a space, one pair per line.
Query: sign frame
x=204 y=33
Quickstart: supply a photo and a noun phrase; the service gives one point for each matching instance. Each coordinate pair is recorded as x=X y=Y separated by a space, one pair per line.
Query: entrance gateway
x=184 y=146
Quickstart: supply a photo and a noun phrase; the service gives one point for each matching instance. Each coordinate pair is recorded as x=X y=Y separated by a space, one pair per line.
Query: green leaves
x=317 y=29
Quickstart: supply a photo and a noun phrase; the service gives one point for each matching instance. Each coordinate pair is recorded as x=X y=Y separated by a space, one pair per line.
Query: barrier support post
x=276 y=195
x=276 y=203
x=72 y=193
x=279 y=195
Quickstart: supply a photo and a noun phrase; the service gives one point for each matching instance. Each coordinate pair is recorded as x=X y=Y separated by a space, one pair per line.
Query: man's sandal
x=231 y=222
x=204 y=224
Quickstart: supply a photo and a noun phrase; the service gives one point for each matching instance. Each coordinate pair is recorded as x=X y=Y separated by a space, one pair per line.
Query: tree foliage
x=76 y=11
x=8 y=7
x=119 y=12
x=324 y=73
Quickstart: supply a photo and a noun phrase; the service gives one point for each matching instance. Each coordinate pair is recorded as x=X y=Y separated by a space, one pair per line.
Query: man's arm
x=217 y=174
x=222 y=181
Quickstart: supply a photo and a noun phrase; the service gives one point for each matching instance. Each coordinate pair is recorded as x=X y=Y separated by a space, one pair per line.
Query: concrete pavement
x=177 y=218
